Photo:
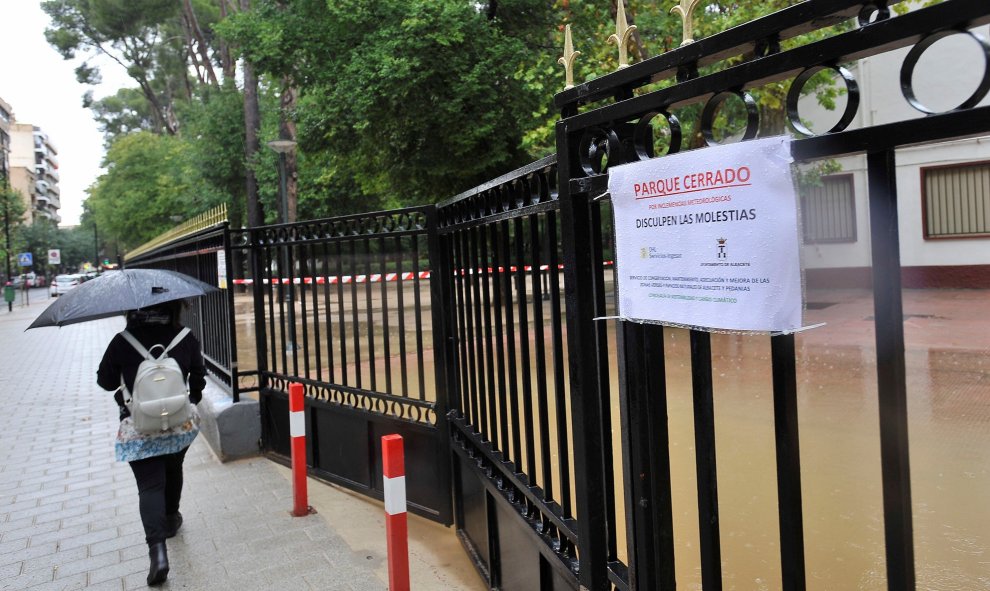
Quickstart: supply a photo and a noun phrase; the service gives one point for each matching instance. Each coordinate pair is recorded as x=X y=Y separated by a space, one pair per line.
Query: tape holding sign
x=709 y=238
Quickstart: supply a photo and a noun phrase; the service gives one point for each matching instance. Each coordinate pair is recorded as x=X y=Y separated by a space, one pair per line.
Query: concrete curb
x=233 y=430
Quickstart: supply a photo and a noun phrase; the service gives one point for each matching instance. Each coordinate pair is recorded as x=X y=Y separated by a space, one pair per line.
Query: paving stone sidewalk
x=69 y=512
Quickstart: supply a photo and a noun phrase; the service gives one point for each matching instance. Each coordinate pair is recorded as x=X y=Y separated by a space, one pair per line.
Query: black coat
x=121 y=358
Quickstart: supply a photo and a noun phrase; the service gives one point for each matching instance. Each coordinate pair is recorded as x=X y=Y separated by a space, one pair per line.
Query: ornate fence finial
x=567 y=60
x=685 y=8
x=622 y=32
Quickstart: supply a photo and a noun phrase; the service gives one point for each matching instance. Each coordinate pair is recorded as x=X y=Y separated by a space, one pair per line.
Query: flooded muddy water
x=947 y=356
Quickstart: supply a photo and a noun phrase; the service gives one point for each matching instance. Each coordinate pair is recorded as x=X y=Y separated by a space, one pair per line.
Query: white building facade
x=943 y=190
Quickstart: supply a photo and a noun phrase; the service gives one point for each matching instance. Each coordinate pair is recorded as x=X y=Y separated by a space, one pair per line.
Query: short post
x=396 y=531
x=297 y=431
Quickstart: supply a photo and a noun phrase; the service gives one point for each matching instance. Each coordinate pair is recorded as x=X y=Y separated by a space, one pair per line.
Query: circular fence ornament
x=708 y=115
x=643 y=134
x=873 y=12
x=911 y=61
x=598 y=147
x=794 y=95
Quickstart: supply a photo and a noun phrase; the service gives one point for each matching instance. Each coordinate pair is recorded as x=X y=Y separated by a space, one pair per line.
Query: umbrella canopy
x=116 y=292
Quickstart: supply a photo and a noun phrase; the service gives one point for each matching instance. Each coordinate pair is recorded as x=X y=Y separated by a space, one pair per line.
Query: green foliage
x=400 y=102
x=12 y=215
x=122 y=113
x=149 y=180
x=413 y=100
x=213 y=136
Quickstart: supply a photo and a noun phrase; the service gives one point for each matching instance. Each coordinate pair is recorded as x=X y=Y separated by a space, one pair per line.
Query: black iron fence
x=607 y=122
x=475 y=327
x=204 y=254
x=348 y=308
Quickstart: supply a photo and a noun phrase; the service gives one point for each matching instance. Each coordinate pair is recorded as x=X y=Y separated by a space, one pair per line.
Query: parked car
x=63 y=284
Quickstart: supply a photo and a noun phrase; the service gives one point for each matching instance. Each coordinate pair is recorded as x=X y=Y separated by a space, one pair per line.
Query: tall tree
x=149 y=184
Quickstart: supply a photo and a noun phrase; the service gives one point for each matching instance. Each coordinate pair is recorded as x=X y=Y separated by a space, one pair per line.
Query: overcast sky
x=41 y=89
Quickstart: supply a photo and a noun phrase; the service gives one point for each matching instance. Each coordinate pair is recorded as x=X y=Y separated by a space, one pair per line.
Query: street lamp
x=283 y=147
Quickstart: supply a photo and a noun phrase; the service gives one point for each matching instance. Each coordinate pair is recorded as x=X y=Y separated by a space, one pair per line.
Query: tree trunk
x=252 y=121
x=287 y=130
x=227 y=63
x=197 y=32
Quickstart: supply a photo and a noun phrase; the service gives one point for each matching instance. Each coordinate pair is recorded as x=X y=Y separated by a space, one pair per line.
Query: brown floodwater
x=947 y=355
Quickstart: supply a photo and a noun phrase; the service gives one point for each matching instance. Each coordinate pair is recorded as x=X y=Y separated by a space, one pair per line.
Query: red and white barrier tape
x=389 y=277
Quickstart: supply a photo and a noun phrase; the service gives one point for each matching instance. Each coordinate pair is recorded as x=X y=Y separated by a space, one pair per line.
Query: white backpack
x=160 y=399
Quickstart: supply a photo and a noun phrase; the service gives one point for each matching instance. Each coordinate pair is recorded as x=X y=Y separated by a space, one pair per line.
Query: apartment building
x=33 y=171
x=47 y=202
x=6 y=117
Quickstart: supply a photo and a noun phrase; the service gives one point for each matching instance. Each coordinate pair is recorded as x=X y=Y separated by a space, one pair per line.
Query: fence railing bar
x=369 y=314
x=457 y=247
x=519 y=480
x=513 y=374
x=789 y=22
x=604 y=381
x=478 y=329
x=341 y=315
x=704 y=442
x=559 y=377
x=436 y=329
x=788 y=452
x=305 y=256
x=355 y=322
x=484 y=246
x=524 y=356
x=400 y=287
x=328 y=315
x=543 y=416
x=891 y=378
x=496 y=239
x=522 y=212
x=386 y=332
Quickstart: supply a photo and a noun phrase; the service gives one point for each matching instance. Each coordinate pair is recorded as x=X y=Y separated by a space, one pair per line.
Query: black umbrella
x=116 y=292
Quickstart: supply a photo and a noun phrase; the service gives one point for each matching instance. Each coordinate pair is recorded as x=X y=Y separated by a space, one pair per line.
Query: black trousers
x=159 y=482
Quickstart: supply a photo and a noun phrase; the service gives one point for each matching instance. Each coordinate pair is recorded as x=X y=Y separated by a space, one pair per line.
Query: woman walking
x=155 y=457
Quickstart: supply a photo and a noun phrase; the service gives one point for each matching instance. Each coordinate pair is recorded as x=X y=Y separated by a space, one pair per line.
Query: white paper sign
x=221 y=269
x=709 y=238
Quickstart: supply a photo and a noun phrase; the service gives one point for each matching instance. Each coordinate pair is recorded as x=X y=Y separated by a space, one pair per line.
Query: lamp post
x=283 y=147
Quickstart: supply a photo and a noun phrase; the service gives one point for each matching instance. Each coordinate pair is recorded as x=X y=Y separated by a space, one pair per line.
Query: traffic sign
x=54 y=256
x=24 y=259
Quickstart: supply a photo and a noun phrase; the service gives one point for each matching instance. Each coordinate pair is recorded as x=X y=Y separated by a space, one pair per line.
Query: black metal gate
x=470 y=327
x=347 y=308
x=535 y=497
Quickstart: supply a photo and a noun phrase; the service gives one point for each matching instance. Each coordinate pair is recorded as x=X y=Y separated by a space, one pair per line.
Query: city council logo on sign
x=54 y=256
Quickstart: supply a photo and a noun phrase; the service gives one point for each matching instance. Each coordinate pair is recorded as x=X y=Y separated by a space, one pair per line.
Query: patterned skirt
x=132 y=445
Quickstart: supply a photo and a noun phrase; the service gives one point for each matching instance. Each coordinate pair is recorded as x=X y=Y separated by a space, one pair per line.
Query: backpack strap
x=147 y=353
x=137 y=345
x=178 y=339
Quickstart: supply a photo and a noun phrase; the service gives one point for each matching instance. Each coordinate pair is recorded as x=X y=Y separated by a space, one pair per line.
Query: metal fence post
x=590 y=495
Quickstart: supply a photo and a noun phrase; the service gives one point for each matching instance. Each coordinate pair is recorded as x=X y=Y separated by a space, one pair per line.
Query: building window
x=956 y=200
x=829 y=210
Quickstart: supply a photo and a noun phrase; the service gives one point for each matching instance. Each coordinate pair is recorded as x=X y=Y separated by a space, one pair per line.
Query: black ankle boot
x=159 y=564
x=174 y=522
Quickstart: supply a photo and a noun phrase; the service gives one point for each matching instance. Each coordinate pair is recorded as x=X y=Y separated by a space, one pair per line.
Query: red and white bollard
x=297 y=432
x=396 y=531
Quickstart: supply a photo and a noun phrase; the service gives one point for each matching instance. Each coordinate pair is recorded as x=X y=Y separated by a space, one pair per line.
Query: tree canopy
x=391 y=102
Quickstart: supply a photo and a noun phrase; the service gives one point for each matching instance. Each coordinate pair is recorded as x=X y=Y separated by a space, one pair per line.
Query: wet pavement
x=69 y=516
